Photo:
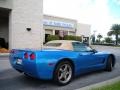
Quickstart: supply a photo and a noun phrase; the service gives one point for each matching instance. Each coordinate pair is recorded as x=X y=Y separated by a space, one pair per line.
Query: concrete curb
x=4 y=54
x=104 y=83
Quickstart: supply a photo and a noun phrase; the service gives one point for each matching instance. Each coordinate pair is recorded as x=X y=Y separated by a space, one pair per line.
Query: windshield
x=81 y=47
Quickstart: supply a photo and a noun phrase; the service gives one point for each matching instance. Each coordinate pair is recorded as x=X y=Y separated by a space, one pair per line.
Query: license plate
x=19 y=61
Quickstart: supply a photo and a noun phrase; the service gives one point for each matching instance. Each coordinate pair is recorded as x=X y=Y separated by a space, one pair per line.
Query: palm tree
x=115 y=30
x=99 y=37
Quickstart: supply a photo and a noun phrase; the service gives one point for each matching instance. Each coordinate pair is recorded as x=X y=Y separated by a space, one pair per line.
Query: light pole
x=93 y=39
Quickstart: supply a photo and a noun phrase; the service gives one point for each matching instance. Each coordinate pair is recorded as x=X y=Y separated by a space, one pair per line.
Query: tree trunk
x=116 y=39
x=99 y=40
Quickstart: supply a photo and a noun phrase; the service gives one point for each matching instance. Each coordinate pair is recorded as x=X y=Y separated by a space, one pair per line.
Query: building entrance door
x=4 y=28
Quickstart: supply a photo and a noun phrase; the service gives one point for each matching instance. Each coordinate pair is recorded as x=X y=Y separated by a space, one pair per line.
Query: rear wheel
x=63 y=73
x=109 y=65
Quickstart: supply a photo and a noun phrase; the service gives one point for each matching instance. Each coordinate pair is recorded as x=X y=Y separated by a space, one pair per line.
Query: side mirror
x=94 y=51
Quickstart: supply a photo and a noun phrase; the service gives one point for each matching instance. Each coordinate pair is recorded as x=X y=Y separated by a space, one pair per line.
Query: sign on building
x=58 y=24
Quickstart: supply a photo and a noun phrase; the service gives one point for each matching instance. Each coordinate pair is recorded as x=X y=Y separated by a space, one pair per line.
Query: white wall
x=6 y=4
x=83 y=29
x=26 y=14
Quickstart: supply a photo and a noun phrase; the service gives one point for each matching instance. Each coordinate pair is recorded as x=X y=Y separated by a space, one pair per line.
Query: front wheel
x=109 y=65
x=63 y=73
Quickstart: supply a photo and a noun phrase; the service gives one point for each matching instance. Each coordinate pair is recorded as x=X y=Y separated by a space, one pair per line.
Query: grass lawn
x=115 y=86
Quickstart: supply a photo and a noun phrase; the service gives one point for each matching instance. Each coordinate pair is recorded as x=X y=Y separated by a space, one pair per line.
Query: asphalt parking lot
x=12 y=80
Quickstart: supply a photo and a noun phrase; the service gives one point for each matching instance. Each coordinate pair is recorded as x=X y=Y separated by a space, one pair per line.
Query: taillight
x=32 y=56
x=26 y=55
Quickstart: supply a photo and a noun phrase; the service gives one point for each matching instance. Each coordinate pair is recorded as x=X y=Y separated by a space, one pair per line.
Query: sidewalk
x=104 y=83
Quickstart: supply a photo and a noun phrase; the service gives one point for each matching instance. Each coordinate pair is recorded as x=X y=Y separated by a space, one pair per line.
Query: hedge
x=70 y=37
x=52 y=37
x=67 y=37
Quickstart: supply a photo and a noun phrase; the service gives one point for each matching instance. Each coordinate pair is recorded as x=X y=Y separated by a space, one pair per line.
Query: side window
x=80 y=47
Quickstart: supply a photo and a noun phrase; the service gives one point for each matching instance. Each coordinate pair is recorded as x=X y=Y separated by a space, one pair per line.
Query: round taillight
x=26 y=55
x=32 y=56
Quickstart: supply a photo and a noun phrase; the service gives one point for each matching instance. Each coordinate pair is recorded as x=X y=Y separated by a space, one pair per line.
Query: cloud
x=94 y=12
x=65 y=8
x=117 y=2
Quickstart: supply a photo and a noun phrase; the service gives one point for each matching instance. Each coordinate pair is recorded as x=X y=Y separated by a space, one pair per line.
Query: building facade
x=84 y=30
x=53 y=25
x=21 y=23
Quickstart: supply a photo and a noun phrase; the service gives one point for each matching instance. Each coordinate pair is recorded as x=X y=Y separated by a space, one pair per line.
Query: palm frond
x=115 y=30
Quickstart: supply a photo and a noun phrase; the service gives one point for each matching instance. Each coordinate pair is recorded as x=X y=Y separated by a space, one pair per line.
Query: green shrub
x=70 y=37
x=118 y=40
x=78 y=38
x=52 y=37
x=97 y=41
x=108 y=40
x=67 y=37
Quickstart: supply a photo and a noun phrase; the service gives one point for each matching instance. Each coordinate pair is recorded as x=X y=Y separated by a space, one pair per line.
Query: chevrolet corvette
x=60 y=60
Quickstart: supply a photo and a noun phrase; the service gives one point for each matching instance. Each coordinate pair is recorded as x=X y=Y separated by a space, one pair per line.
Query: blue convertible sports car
x=60 y=60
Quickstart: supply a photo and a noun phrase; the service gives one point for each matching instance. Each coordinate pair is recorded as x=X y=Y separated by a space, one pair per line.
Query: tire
x=63 y=73
x=109 y=64
x=27 y=76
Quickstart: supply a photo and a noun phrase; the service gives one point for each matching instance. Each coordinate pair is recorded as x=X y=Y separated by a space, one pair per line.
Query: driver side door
x=87 y=60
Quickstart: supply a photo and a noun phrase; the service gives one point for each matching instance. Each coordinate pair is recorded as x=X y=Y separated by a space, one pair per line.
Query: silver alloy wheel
x=64 y=73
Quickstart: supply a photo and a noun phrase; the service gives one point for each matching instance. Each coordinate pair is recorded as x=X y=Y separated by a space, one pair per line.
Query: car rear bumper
x=40 y=70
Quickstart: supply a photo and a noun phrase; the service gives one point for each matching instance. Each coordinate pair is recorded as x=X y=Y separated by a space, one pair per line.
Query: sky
x=100 y=14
